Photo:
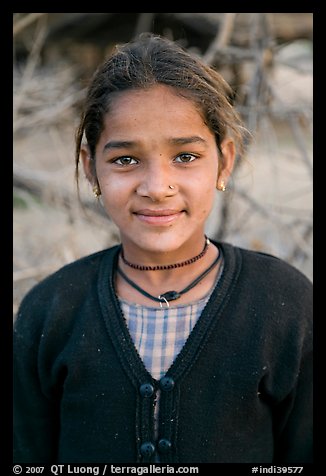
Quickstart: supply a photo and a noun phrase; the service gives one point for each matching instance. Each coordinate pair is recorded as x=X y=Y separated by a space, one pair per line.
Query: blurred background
x=267 y=59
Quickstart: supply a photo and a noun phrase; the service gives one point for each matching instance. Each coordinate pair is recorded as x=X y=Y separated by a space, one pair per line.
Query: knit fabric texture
x=239 y=390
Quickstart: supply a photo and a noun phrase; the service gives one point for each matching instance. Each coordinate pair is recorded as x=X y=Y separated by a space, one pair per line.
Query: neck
x=168 y=266
x=170 y=277
x=157 y=283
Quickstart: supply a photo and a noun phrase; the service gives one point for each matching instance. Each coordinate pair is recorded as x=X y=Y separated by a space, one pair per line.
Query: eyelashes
x=127 y=160
x=185 y=158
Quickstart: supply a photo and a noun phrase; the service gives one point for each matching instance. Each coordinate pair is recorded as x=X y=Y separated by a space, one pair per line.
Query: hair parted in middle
x=149 y=60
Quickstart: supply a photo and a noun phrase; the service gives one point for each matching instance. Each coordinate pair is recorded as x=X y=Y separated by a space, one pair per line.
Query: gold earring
x=96 y=191
x=222 y=186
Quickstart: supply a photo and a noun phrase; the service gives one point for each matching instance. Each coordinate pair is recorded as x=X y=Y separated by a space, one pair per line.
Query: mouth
x=158 y=217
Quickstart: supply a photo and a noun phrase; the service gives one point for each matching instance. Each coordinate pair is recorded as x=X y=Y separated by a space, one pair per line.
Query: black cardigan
x=240 y=391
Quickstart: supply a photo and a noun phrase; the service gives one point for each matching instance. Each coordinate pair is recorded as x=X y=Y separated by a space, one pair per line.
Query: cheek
x=112 y=185
x=208 y=202
x=114 y=193
x=203 y=191
x=206 y=180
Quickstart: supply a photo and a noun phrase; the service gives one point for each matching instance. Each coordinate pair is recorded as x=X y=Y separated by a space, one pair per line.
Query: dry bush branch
x=46 y=100
x=222 y=37
x=41 y=184
x=29 y=69
x=24 y=22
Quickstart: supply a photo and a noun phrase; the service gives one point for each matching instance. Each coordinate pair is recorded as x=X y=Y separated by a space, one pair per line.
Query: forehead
x=158 y=105
x=162 y=92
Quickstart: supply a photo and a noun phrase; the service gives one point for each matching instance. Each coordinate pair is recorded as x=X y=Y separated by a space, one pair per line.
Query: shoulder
x=268 y=281
x=271 y=294
x=266 y=267
x=68 y=284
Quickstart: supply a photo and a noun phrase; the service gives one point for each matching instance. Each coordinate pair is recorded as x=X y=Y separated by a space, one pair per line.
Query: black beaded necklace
x=166 y=266
x=165 y=298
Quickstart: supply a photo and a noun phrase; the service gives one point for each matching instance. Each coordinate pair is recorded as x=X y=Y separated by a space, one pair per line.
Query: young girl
x=168 y=347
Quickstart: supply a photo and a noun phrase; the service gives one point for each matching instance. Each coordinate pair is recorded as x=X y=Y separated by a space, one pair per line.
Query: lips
x=158 y=217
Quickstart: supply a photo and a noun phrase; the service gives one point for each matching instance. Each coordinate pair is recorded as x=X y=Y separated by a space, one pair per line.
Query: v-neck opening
x=119 y=332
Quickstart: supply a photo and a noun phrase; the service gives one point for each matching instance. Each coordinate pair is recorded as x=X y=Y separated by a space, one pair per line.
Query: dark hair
x=148 y=60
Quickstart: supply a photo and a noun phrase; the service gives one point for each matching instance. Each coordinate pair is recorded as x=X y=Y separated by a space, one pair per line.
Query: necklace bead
x=169 y=295
x=166 y=266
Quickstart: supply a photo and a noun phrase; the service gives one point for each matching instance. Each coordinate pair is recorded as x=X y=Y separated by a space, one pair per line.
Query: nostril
x=156 y=190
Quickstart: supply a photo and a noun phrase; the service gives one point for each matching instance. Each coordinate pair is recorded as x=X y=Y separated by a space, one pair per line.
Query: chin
x=160 y=242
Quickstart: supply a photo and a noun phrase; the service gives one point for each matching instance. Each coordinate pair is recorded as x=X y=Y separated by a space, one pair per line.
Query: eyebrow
x=125 y=144
x=118 y=144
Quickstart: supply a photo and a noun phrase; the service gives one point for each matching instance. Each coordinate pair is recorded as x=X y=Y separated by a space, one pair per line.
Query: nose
x=157 y=184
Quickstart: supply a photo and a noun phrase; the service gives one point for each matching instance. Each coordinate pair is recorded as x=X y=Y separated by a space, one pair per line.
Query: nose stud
x=171 y=187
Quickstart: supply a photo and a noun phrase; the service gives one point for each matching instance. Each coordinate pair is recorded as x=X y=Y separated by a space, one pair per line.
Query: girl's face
x=157 y=169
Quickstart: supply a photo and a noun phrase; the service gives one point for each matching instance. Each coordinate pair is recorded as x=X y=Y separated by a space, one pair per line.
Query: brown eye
x=125 y=161
x=185 y=158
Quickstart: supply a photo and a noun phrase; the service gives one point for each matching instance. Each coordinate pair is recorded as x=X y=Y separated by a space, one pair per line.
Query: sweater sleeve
x=36 y=419
x=282 y=313
x=45 y=323
x=293 y=416
x=294 y=443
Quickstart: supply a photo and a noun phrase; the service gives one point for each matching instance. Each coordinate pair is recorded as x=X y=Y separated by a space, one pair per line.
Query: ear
x=88 y=164
x=226 y=163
